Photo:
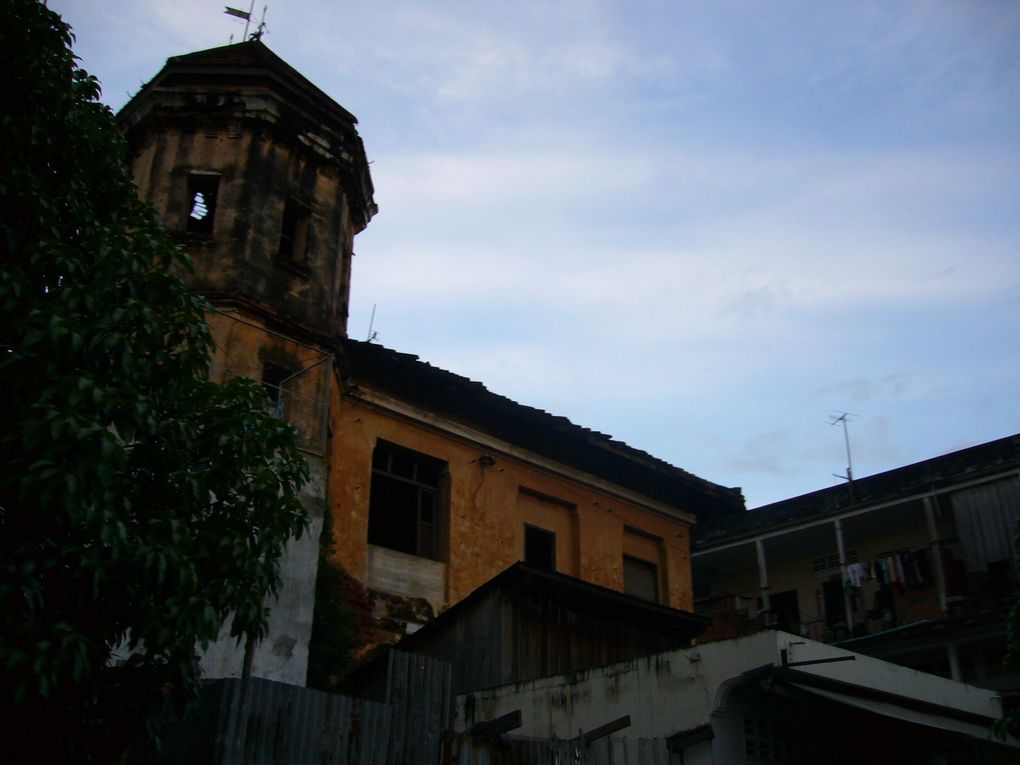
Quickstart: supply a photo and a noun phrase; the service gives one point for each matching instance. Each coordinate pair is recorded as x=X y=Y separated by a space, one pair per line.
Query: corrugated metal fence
x=261 y=722
x=418 y=694
x=519 y=750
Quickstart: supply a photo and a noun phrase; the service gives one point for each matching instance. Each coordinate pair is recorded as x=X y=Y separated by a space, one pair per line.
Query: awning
x=904 y=708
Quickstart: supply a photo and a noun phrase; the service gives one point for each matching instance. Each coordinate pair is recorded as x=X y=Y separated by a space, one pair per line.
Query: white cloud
x=696 y=226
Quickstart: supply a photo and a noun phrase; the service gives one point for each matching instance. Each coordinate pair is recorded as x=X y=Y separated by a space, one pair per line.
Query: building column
x=953 y=654
x=841 y=549
x=763 y=574
x=936 y=552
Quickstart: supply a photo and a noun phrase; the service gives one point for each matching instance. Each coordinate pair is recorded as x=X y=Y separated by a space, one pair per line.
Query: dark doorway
x=785 y=610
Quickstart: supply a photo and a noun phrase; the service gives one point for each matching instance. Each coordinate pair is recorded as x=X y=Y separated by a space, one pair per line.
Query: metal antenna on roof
x=371 y=335
x=844 y=417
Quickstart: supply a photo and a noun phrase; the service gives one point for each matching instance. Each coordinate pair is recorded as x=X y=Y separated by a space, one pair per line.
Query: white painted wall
x=283 y=655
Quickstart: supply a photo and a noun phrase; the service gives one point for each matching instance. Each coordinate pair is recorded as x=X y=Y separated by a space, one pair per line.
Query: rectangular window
x=403 y=511
x=641 y=579
x=539 y=548
x=831 y=560
x=273 y=377
x=293 y=249
x=203 y=189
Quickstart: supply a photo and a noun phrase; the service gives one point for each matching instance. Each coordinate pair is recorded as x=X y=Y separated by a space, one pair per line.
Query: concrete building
x=767 y=697
x=915 y=565
x=433 y=483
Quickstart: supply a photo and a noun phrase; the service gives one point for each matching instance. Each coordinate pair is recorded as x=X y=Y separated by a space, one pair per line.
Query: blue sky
x=699 y=227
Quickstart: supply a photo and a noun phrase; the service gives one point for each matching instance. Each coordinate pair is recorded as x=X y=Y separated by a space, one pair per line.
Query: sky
x=704 y=228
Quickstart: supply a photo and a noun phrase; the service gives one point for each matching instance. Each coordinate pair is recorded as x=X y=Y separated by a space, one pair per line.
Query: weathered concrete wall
x=283 y=654
x=681 y=690
x=487 y=507
x=243 y=348
x=257 y=175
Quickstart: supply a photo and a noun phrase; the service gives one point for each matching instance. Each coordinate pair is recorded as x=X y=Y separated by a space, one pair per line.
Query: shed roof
x=579 y=595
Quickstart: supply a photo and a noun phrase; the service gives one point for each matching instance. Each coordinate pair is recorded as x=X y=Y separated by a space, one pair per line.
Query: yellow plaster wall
x=486 y=512
x=552 y=515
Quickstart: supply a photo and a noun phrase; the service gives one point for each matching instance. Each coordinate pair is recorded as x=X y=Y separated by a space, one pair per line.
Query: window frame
x=292 y=245
x=537 y=533
x=427 y=531
x=641 y=564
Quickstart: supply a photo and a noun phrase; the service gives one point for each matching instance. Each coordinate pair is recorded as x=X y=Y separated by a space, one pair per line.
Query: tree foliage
x=141 y=505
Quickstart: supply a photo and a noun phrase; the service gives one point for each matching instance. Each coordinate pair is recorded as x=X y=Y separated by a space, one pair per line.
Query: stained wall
x=485 y=508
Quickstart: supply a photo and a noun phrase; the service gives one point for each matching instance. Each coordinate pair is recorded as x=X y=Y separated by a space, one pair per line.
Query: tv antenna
x=844 y=418
x=371 y=335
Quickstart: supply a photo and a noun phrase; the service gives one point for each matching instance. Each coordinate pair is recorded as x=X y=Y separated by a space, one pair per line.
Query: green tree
x=141 y=505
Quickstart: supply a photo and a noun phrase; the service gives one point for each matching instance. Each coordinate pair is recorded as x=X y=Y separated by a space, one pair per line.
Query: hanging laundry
x=856 y=573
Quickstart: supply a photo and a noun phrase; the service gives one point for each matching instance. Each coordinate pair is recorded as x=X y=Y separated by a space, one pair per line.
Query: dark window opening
x=539 y=548
x=832 y=594
x=294 y=234
x=785 y=609
x=403 y=511
x=273 y=377
x=641 y=579
x=202 y=192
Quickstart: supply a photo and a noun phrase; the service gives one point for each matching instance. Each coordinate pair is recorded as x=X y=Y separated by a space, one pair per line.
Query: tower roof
x=248 y=61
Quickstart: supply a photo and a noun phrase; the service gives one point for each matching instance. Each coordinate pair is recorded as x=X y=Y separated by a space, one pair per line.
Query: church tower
x=263 y=179
x=261 y=176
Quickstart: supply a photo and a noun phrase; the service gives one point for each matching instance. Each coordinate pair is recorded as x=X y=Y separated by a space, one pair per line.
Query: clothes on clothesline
x=909 y=569
x=856 y=573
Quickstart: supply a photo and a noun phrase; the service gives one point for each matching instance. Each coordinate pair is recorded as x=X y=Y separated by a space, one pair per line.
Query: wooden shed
x=527 y=623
